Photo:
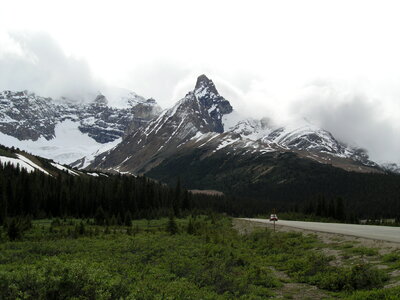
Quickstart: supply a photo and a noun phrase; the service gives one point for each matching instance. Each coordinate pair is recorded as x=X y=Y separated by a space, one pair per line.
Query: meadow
x=196 y=257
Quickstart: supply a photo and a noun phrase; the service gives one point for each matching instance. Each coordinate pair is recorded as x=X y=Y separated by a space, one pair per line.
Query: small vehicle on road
x=273 y=217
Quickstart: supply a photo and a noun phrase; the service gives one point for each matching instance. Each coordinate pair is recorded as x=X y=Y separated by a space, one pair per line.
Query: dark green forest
x=41 y=195
x=285 y=182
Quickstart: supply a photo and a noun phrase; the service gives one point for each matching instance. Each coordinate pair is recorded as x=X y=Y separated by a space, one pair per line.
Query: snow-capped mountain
x=202 y=120
x=200 y=111
x=64 y=130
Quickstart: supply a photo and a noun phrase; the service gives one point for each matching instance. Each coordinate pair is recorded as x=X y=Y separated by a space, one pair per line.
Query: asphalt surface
x=384 y=233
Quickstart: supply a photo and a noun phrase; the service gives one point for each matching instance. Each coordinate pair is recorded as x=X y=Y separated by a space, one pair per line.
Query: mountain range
x=205 y=120
x=140 y=137
x=201 y=140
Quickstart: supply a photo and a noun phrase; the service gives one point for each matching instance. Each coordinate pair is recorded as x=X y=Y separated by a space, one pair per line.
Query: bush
x=358 y=277
x=15 y=227
x=55 y=279
x=378 y=294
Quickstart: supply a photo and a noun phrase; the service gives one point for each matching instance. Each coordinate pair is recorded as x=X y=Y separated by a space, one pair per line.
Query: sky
x=335 y=63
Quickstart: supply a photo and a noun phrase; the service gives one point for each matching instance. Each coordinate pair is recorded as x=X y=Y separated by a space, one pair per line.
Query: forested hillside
x=49 y=191
x=285 y=181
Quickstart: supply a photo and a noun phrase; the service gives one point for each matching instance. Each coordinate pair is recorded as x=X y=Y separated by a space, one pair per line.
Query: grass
x=57 y=259
x=361 y=251
x=392 y=260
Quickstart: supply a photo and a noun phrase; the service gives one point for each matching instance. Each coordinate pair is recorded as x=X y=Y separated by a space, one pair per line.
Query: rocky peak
x=203 y=82
x=100 y=100
x=151 y=101
x=208 y=96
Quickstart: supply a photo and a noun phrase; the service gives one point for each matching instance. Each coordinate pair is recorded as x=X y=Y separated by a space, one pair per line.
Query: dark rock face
x=216 y=105
x=27 y=116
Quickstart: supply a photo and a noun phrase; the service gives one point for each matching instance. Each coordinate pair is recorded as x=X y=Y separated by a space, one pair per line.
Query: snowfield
x=69 y=144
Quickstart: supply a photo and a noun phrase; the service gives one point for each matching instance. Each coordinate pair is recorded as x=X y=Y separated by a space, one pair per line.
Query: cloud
x=352 y=116
x=35 y=62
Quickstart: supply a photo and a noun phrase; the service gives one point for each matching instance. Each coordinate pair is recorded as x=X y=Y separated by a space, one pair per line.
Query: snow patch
x=62 y=168
x=69 y=144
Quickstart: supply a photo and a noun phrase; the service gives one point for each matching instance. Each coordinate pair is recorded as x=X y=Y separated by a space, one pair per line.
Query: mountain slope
x=66 y=130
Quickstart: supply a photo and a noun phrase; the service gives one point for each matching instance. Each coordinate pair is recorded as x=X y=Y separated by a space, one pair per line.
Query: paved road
x=384 y=233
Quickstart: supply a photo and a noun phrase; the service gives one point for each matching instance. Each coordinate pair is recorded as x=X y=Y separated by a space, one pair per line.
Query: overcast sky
x=334 y=62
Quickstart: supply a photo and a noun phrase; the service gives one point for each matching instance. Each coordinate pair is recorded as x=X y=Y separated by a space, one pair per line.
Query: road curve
x=384 y=233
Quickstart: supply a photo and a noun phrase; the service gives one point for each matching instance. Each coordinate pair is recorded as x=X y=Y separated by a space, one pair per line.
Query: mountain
x=200 y=111
x=65 y=130
x=203 y=119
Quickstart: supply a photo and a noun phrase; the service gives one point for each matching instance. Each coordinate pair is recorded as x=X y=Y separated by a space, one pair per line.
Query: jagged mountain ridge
x=200 y=111
x=199 y=121
x=27 y=116
x=35 y=119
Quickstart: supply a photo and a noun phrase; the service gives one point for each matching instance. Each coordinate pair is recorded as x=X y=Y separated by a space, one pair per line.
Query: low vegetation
x=197 y=257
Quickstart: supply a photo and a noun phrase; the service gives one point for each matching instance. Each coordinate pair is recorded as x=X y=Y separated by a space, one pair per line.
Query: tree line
x=41 y=196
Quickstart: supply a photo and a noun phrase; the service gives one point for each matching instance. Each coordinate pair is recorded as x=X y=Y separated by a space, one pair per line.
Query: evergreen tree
x=100 y=216
x=176 y=204
x=340 y=211
x=186 y=201
x=119 y=221
x=190 y=227
x=80 y=228
x=113 y=220
x=3 y=207
x=13 y=229
x=128 y=219
x=172 y=227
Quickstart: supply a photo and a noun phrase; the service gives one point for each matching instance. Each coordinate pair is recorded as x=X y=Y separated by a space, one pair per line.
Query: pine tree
x=3 y=207
x=100 y=216
x=186 y=201
x=190 y=227
x=13 y=229
x=172 y=227
x=176 y=204
x=128 y=219
x=340 y=212
x=119 y=220
x=113 y=220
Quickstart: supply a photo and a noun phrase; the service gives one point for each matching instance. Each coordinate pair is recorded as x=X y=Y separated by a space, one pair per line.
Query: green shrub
x=377 y=294
x=358 y=277
x=362 y=251
x=55 y=279
x=391 y=257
